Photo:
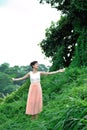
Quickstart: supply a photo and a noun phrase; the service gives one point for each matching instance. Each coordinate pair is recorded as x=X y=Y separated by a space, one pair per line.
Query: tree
x=6 y=84
x=60 y=42
x=67 y=32
x=4 y=67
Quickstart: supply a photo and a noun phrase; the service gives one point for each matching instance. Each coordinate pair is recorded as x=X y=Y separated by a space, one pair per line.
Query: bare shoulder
x=43 y=73
x=28 y=74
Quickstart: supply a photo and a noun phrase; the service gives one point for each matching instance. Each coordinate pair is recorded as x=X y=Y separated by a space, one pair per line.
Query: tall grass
x=64 y=99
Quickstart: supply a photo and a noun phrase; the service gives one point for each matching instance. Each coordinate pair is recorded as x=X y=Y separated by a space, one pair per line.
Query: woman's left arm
x=53 y=72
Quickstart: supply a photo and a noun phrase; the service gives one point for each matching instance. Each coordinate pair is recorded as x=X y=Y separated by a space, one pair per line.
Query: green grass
x=64 y=100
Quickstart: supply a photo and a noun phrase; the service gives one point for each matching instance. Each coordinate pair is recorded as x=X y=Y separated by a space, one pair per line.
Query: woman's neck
x=34 y=70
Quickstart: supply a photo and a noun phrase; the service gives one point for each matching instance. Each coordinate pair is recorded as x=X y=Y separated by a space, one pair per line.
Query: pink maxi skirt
x=34 y=100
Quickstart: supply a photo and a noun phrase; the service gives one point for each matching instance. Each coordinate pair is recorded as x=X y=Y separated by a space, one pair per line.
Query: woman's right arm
x=22 y=78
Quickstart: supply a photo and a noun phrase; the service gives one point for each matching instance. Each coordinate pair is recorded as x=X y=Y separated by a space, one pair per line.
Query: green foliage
x=58 y=59
x=60 y=41
x=65 y=6
x=1 y=99
x=16 y=95
x=64 y=100
x=5 y=82
x=80 y=57
x=69 y=31
x=4 y=67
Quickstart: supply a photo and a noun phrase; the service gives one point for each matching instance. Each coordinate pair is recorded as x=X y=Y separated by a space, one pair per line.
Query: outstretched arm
x=22 y=78
x=53 y=72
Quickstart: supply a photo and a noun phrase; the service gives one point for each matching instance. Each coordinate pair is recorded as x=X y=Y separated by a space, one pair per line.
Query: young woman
x=34 y=100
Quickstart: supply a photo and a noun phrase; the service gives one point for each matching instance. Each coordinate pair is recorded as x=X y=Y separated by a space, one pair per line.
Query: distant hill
x=64 y=100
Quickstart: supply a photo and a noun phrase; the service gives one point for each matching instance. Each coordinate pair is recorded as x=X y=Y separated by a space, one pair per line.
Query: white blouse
x=34 y=77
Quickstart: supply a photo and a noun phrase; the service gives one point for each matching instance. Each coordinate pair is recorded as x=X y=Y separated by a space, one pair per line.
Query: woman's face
x=36 y=66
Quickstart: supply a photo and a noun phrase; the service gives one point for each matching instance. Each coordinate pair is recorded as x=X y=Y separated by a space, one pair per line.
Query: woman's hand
x=13 y=79
x=62 y=70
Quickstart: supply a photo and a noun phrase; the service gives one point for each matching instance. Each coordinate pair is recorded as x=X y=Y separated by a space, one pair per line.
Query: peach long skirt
x=34 y=100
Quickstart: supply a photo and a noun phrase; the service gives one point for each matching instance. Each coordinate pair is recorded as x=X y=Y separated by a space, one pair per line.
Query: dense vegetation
x=65 y=104
x=66 y=40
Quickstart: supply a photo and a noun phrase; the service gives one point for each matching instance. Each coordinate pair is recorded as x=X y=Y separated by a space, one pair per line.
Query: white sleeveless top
x=34 y=77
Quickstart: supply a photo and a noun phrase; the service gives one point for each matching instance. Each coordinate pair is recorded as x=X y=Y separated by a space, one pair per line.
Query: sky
x=22 y=28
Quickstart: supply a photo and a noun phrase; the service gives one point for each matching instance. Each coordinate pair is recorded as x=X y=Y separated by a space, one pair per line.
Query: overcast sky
x=22 y=27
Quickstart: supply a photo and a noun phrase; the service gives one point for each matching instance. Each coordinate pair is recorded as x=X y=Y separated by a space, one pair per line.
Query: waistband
x=35 y=82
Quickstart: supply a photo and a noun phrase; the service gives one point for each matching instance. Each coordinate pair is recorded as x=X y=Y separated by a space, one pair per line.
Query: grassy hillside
x=64 y=99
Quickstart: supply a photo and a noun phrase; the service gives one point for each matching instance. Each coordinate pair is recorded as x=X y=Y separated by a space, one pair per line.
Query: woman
x=34 y=100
